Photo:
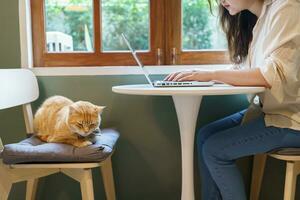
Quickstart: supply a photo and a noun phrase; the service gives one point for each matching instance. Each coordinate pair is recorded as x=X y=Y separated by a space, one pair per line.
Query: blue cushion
x=33 y=150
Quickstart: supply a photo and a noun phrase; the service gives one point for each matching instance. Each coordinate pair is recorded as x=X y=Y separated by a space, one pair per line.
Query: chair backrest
x=1 y=145
x=19 y=87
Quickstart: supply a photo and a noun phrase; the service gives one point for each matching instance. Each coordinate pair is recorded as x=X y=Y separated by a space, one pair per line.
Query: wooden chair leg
x=259 y=162
x=31 y=188
x=85 y=178
x=5 y=187
x=6 y=182
x=108 y=179
x=86 y=185
x=292 y=171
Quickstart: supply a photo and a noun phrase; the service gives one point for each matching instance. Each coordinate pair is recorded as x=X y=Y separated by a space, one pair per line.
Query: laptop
x=161 y=83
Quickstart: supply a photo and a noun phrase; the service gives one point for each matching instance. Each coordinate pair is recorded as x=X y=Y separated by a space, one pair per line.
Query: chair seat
x=56 y=165
x=33 y=150
x=288 y=154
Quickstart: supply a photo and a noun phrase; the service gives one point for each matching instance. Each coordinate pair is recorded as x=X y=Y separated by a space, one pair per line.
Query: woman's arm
x=245 y=77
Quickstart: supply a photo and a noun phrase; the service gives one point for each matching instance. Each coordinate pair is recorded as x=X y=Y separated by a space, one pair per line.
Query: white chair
x=59 y=42
x=19 y=87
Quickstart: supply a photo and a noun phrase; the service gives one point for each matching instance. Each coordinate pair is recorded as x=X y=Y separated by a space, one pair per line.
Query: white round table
x=187 y=103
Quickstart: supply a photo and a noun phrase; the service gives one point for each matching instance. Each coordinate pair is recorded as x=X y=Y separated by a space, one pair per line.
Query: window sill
x=120 y=70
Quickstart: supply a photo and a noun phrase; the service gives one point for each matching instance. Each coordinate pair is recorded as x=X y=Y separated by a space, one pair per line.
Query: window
x=69 y=26
x=87 y=32
x=129 y=17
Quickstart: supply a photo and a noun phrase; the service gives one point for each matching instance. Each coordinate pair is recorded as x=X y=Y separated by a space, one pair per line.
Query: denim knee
x=203 y=135
x=207 y=150
x=212 y=152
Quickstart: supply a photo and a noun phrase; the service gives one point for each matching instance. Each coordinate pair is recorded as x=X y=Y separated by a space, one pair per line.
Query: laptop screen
x=133 y=52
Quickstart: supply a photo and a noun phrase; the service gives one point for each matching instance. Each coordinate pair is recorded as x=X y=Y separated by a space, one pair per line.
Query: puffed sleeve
x=282 y=59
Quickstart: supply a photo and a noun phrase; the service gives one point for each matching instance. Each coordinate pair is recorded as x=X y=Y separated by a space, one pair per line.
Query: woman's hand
x=243 y=77
x=190 y=75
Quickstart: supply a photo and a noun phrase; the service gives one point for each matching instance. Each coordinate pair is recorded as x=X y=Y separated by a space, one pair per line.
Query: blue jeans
x=221 y=142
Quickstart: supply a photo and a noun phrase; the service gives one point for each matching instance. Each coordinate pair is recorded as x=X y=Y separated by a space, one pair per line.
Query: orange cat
x=61 y=120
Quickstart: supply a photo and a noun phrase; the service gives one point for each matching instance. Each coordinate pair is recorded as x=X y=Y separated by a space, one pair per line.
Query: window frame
x=165 y=42
x=175 y=54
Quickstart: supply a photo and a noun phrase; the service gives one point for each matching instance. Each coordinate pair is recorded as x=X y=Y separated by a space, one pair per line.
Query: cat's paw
x=83 y=144
x=97 y=131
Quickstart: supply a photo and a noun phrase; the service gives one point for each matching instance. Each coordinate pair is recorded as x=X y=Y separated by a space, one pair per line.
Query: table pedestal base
x=187 y=108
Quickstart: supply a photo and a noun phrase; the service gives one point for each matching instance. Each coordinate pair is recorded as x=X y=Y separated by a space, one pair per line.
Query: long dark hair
x=238 y=30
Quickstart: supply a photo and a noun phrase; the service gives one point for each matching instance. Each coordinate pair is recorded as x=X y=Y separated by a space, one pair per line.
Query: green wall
x=147 y=161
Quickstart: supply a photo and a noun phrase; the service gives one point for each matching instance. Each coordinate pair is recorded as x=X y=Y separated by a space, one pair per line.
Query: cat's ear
x=71 y=109
x=100 y=109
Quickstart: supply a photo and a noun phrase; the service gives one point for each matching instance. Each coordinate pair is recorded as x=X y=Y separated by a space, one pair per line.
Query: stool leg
x=259 y=162
x=5 y=181
x=292 y=171
x=86 y=185
x=31 y=188
x=5 y=189
x=108 y=179
x=85 y=178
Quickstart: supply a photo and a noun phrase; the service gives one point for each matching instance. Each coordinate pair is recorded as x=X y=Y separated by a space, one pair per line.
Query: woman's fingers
x=181 y=75
x=167 y=77
x=171 y=76
x=190 y=76
x=187 y=78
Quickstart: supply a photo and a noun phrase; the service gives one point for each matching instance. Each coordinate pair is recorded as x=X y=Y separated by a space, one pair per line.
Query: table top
x=217 y=89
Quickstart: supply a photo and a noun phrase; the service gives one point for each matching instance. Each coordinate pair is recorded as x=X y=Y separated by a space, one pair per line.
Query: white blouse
x=275 y=50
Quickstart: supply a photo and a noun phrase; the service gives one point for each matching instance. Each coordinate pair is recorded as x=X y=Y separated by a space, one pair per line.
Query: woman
x=264 y=45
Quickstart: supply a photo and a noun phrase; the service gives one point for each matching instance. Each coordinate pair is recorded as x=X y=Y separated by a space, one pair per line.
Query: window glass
x=200 y=28
x=130 y=17
x=69 y=25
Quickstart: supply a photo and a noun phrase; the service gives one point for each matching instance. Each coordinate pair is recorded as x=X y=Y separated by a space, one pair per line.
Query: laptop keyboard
x=175 y=83
x=171 y=83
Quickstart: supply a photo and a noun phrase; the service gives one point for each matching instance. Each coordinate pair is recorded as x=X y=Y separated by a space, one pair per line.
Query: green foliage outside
x=200 y=28
x=130 y=17
x=125 y=16
x=196 y=30
x=68 y=19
